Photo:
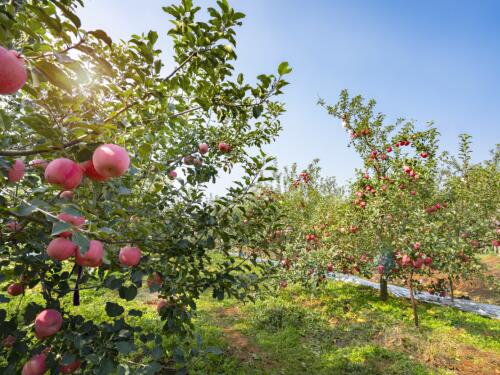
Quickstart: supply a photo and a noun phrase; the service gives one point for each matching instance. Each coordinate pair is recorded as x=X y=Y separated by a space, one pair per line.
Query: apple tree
x=106 y=153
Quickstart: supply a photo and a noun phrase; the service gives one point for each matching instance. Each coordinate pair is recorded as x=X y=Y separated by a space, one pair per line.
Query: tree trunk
x=451 y=290
x=383 y=289
x=413 y=301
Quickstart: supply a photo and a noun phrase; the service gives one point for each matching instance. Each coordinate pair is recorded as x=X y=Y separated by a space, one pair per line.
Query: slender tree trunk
x=451 y=289
x=413 y=301
x=383 y=289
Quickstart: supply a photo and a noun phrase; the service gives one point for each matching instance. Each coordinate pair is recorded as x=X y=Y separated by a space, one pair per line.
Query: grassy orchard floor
x=340 y=329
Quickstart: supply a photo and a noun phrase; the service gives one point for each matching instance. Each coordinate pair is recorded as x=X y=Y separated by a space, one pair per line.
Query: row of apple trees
x=411 y=212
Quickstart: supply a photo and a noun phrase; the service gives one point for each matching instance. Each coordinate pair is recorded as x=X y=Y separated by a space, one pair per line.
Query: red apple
x=381 y=269
x=405 y=260
x=188 y=160
x=35 y=365
x=48 y=323
x=413 y=192
x=417 y=264
x=61 y=249
x=155 y=279
x=389 y=149
x=203 y=148
x=15 y=289
x=16 y=171
x=93 y=257
x=130 y=256
x=64 y=172
x=172 y=175
x=77 y=221
x=416 y=245
x=424 y=155
x=13 y=226
x=224 y=147
x=71 y=368
x=8 y=341
x=427 y=260
x=13 y=74
x=89 y=171
x=110 y=160
x=161 y=304
x=329 y=267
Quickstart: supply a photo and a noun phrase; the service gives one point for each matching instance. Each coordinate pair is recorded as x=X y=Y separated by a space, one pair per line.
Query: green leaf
x=81 y=241
x=125 y=347
x=284 y=68
x=60 y=227
x=69 y=14
x=55 y=76
x=135 y=312
x=113 y=309
x=214 y=350
x=257 y=110
x=42 y=126
x=128 y=292
x=101 y=34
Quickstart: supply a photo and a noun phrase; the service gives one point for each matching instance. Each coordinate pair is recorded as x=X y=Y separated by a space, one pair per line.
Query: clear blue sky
x=422 y=60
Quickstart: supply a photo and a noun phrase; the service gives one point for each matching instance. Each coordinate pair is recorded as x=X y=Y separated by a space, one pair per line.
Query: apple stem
x=76 y=293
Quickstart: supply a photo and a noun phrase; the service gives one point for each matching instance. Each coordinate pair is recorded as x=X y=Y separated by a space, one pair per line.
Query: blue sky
x=423 y=60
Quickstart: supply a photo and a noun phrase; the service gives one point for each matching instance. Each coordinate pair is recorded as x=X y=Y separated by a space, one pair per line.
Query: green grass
x=339 y=329
x=343 y=329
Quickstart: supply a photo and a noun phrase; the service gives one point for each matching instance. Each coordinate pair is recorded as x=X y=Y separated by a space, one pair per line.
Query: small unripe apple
x=13 y=74
x=224 y=147
x=64 y=172
x=89 y=171
x=8 y=341
x=93 y=257
x=61 y=249
x=172 y=175
x=130 y=256
x=203 y=148
x=110 y=160
x=67 y=194
x=13 y=226
x=48 y=323
x=38 y=163
x=16 y=171
x=35 y=365
x=70 y=368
